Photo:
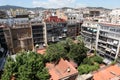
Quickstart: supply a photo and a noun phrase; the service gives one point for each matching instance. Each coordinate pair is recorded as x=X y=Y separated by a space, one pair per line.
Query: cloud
x=54 y=3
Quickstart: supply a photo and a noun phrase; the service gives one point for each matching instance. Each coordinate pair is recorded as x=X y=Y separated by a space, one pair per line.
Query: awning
x=107 y=61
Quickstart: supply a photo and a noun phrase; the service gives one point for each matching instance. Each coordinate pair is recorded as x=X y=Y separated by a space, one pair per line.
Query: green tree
x=66 y=49
x=54 y=52
x=26 y=66
x=77 y=52
x=86 y=68
x=97 y=59
x=80 y=39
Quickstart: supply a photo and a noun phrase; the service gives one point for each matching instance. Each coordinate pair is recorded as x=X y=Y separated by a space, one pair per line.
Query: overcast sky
x=62 y=3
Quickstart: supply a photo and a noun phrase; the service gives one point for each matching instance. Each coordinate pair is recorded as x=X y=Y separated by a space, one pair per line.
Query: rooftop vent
x=68 y=69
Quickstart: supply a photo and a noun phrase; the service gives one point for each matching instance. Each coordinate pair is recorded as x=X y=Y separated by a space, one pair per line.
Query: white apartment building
x=106 y=39
x=88 y=32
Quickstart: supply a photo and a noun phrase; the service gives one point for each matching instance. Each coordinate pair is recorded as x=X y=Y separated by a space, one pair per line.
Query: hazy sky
x=62 y=3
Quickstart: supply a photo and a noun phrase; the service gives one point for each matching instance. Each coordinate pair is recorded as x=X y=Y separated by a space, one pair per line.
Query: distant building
x=61 y=14
x=64 y=70
x=115 y=16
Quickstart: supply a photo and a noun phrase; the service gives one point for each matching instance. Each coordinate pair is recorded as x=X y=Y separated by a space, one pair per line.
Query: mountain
x=98 y=8
x=7 y=7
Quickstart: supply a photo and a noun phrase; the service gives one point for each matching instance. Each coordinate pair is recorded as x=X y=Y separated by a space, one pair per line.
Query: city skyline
x=62 y=3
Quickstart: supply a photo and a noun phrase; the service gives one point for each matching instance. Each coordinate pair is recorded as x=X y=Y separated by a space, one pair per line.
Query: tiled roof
x=108 y=73
x=41 y=51
x=62 y=70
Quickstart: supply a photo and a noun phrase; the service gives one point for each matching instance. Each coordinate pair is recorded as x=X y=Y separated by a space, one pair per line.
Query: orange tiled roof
x=61 y=70
x=109 y=73
x=41 y=51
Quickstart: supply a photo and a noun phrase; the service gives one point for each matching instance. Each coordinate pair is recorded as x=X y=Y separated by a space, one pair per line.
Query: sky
x=63 y=3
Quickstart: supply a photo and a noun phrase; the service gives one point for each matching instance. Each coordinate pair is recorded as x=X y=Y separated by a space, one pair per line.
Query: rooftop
x=41 y=51
x=63 y=69
x=109 y=73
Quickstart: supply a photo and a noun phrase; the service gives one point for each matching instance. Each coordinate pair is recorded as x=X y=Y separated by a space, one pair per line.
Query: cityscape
x=59 y=40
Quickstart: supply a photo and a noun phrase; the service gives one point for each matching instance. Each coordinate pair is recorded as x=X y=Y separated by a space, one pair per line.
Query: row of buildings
x=23 y=34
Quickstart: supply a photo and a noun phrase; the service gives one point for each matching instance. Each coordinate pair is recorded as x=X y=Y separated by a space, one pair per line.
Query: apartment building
x=38 y=33
x=56 y=29
x=18 y=35
x=104 y=37
x=74 y=17
x=91 y=12
x=73 y=30
x=89 y=33
x=108 y=41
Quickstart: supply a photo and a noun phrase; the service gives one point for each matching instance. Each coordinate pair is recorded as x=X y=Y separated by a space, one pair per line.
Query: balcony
x=103 y=46
x=25 y=38
x=102 y=41
x=110 y=56
x=86 y=32
x=35 y=33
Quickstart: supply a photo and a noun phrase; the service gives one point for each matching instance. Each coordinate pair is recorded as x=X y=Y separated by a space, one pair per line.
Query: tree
x=54 y=52
x=86 y=68
x=66 y=49
x=77 y=52
x=90 y=64
x=25 y=66
x=97 y=59
x=80 y=39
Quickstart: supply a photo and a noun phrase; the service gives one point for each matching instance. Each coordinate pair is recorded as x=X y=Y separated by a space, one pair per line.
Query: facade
x=89 y=32
x=108 y=41
x=3 y=49
x=38 y=33
x=74 y=17
x=18 y=35
x=56 y=29
x=103 y=37
x=91 y=12
x=73 y=30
